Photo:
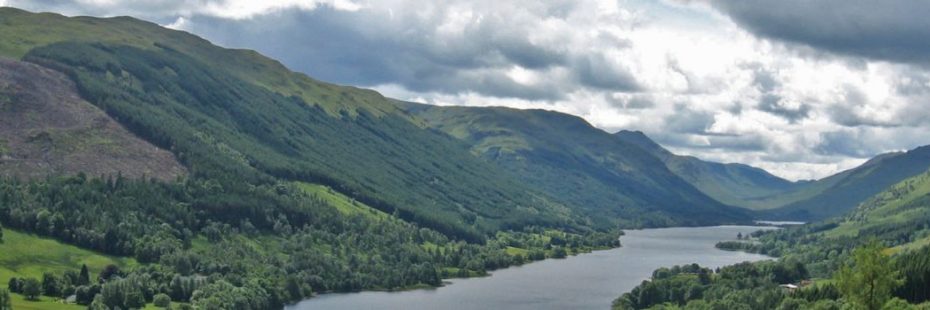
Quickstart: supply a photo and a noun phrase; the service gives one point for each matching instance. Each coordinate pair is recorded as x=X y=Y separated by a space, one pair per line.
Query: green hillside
x=903 y=207
x=221 y=126
x=733 y=184
x=23 y=31
x=842 y=192
x=887 y=236
x=291 y=187
x=25 y=255
x=579 y=164
x=898 y=215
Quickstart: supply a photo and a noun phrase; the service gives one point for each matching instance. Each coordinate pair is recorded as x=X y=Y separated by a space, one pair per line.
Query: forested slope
x=734 y=184
x=580 y=164
x=876 y=256
x=842 y=192
x=240 y=228
x=222 y=127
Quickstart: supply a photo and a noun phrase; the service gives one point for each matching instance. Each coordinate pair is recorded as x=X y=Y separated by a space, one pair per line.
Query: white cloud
x=178 y=23
x=233 y=9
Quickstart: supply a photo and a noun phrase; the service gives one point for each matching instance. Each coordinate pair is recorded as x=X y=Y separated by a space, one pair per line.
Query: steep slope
x=894 y=225
x=900 y=212
x=579 y=164
x=236 y=115
x=734 y=184
x=47 y=129
x=840 y=193
x=22 y=31
x=898 y=216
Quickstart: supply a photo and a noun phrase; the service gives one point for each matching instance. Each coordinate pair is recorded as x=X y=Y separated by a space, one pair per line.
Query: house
x=789 y=287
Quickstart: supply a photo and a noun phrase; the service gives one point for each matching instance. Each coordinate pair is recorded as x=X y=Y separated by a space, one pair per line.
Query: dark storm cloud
x=849 y=112
x=685 y=120
x=773 y=104
x=894 y=30
x=764 y=80
x=728 y=143
x=744 y=143
x=634 y=102
x=363 y=48
x=770 y=101
x=406 y=45
x=597 y=71
x=846 y=143
x=158 y=11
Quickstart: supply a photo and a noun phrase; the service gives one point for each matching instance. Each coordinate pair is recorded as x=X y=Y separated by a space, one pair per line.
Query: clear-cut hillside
x=47 y=129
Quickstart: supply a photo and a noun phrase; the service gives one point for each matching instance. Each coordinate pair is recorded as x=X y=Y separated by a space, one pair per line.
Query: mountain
x=578 y=163
x=842 y=192
x=195 y=168
x=23 y=31
x=236 y=115
x=734 y=184
x=754 y=188
x=898 y=214
x=889 y=231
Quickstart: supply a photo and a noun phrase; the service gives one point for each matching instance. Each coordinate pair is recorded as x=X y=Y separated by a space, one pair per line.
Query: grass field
x=343 y=203
x=44 y=303
x=47 y=303
x=25 y=255
x=916 y=245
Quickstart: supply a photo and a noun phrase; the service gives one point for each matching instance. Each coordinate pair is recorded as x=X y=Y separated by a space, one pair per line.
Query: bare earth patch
x=47 y=129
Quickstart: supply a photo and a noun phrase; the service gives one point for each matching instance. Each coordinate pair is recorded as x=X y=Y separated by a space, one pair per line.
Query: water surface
x=587 y=281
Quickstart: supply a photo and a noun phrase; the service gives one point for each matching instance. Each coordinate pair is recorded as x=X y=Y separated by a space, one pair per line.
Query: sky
x=803 y=89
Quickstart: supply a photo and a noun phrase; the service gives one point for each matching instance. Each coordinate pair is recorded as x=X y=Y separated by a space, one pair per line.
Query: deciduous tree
x=31 y=289
x=869 y=279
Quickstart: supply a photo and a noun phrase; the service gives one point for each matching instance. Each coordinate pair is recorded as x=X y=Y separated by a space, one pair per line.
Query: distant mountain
x=579 y=164
x=840 y=193
x=734 y=184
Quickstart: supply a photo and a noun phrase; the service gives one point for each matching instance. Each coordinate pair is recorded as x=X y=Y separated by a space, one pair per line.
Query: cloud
x=597 y=71
x=776 y=105
x=685 y=120
x=892 y=30
x=629 y=101
x=159 y=9
x=446 y=49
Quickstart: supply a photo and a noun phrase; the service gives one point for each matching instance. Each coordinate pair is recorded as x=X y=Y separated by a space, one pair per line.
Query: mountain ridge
x=842 y=192
x=730 y=183
x=564 y=154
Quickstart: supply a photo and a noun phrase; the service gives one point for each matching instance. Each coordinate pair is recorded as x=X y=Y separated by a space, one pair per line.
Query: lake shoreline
x=584 y=281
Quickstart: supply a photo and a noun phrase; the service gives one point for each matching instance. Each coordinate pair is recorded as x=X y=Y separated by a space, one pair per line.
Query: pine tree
x=5 y=301
x=84 y=278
